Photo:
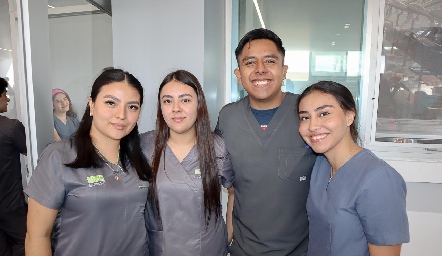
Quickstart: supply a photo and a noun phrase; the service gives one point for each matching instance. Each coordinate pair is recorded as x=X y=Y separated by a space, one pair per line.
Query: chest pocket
x=295 y=163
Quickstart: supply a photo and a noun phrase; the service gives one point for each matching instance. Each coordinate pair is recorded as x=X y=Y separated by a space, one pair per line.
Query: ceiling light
x=50 y=6
x=259 y=13
x=333 y=43
x=346 y=25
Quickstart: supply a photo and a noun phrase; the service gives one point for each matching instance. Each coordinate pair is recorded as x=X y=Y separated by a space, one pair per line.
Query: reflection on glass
x=410 y=89
x=80 y=47
x=6 y=65
x=323 y=40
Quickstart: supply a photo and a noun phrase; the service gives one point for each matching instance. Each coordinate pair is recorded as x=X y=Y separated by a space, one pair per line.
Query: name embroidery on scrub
x=95 y=180
x=197 y=174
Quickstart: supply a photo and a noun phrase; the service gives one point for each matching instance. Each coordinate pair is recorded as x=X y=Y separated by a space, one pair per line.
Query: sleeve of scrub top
x=46 y=185
x=226 y=171
x=381 y=208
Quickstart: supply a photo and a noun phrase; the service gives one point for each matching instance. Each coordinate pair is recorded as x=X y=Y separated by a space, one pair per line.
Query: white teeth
x=261 y=82
x=318 y=137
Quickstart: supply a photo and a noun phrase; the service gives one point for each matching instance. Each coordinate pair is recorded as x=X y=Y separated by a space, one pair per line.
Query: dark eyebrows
x=270 y=56
x=322 y=107
x=179 y=96
x=316 y=109
x=111 y=97
x=118 y=100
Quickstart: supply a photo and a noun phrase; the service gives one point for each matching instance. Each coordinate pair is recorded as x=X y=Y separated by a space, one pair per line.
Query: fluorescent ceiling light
x=259 y=13
x=50 y=6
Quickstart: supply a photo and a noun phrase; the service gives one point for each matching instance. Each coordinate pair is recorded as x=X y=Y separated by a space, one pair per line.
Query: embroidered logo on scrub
x=197 y=174
x=302 y=178
x=95 y=180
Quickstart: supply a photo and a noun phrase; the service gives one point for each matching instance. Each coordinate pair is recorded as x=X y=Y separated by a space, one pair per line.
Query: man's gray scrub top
x=98 y=215
x=272 y=178
x=363 y=203
x=182 y=229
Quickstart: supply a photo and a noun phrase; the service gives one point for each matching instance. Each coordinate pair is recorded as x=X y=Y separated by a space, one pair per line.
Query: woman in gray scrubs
x=189 y=163
x=356 y=204
x=65 y=119
x=90 y=191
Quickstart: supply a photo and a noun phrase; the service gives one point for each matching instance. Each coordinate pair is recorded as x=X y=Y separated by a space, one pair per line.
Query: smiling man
x=272 y=164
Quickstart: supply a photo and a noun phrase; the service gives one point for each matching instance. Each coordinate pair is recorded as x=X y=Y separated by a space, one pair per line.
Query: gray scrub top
x=272 y=179
x=66 y=130
x=182 y=230
x=98 y=215
x=363 y=203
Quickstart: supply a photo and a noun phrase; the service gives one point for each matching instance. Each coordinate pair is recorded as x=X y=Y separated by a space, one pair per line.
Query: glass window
x=323 y=40
x=80 y=38
x=6 y=58
x=410 y=87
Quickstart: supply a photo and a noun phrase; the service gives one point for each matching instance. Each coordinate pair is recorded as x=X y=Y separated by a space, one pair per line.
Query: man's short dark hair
x=3 y=85
x=259 y=33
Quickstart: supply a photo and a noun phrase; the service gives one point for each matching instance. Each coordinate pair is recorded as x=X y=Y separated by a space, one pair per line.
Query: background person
x=271 y=162
x=65 y=119
x=13 y=206
x=189 y=163
x=356 y=204
x=96 y=180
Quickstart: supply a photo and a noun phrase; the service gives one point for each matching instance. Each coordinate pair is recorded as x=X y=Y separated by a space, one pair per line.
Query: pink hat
x=55 y=91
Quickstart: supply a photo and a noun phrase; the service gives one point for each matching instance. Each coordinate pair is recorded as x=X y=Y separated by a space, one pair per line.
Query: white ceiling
x=318 y=16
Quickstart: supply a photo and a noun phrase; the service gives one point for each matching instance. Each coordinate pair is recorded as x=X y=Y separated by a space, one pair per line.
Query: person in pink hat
x=65 y=121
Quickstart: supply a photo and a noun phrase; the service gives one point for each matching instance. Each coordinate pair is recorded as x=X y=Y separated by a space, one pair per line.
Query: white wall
x=152 y=38
x=424 y=203
x=80 y=47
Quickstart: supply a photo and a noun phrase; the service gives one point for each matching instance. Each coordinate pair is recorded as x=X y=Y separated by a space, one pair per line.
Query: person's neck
x=182 y=139
x=109 y=148
x=181 y=144
x=60 y=115
x=267 y=104
x=342 y=153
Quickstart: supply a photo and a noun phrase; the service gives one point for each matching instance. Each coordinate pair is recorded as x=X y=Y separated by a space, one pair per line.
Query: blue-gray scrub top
x=363 y=203
x=183 y=229
x=66 y=130
x=98 y=215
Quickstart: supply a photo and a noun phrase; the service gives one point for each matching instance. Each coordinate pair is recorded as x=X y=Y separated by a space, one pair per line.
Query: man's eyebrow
x=247 y=58
x=273 y=56
x=269 y=56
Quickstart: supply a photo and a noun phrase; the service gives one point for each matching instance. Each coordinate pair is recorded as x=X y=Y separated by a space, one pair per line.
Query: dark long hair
x=341 y=94
x=130 y=149
x=206 y=149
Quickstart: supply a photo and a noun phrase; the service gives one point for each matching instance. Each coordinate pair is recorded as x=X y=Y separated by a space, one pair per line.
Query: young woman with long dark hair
x=90 y=191
x=189 y=163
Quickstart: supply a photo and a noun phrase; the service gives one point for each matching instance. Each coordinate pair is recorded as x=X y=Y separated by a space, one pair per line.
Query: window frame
x=373 y=64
